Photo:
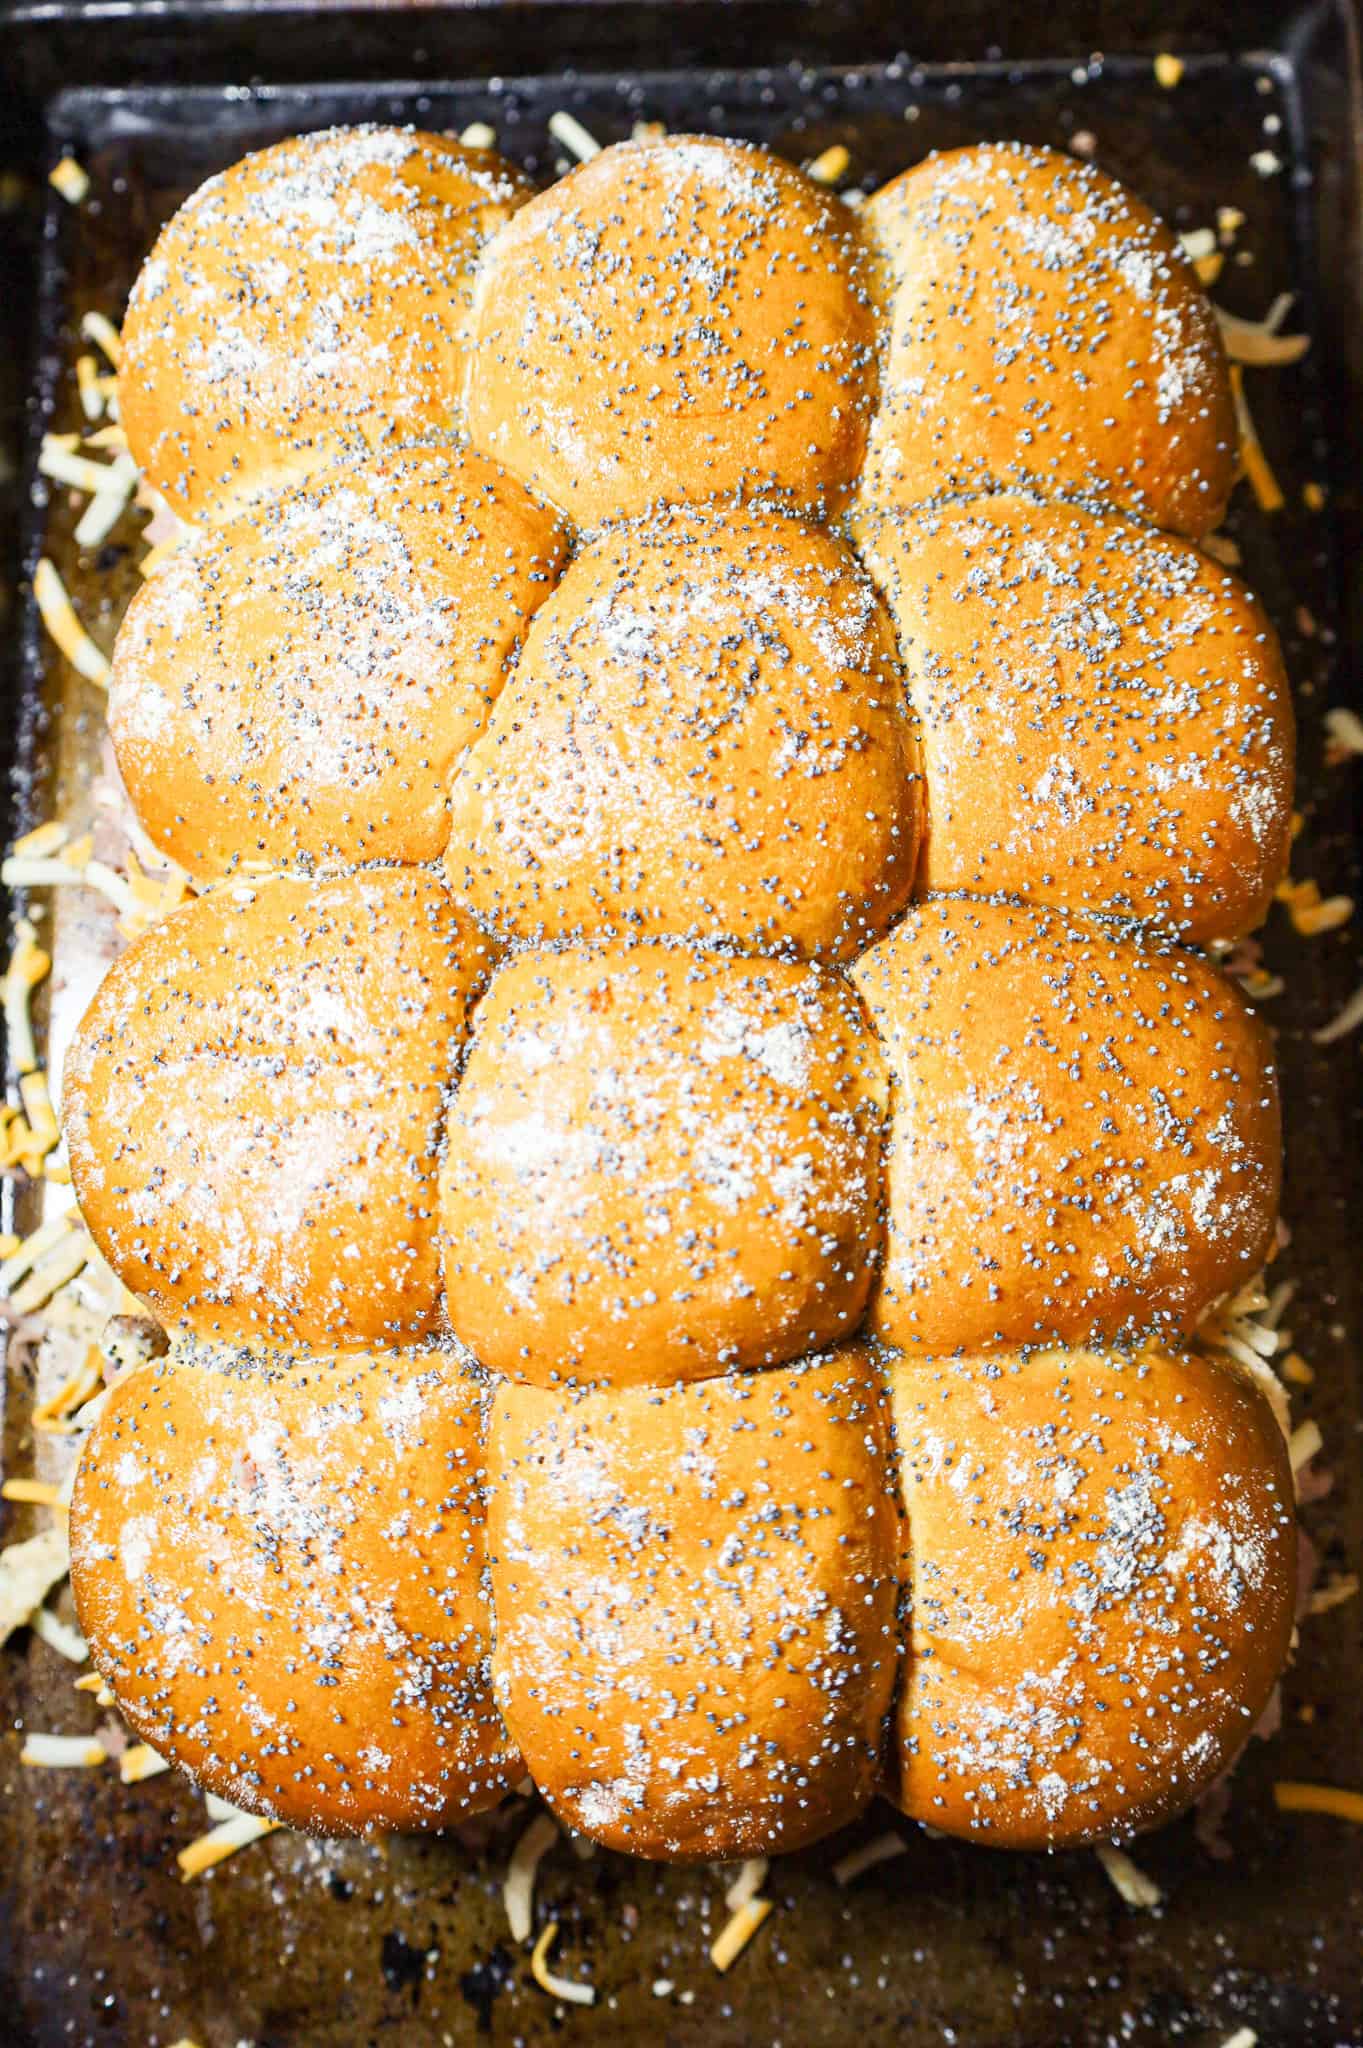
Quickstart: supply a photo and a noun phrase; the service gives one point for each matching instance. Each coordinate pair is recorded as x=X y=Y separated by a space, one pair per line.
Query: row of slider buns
x=684 y=1273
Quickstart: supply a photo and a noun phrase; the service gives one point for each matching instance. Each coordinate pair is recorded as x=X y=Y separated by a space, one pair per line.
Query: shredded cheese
x=1243 y=2037
x=1348 y=1019
x=104 y=335
x=1291 y=1796
x=60 y=1636
x=737 y=1932
x=47 y=874
x=518 y=1892
x=63 y=1752
x=830 y=165
x=1128 y=1879
x=88 y=388
x=1168 y=70
x=54 y=1413
x=1305 y=1441
x=34 y=1493
x=1255 y=463
x=101 y=516
x=55 y=1270
x=33 y=1247
x=140 y=1762
x=858 y=1861
x=59 y=617
x=1310 y=912
x=162 y=552
x=557 y=1987
x=1343 y=1586
x=28 y=965
x=63 y=467
x=478 y=135
x=752 y=1875
x=567 y=129
x=42 y=840
x=42 y=1118
x=1258 y=343
x=69 y=180
x=223 y=1841
x=28 y=1572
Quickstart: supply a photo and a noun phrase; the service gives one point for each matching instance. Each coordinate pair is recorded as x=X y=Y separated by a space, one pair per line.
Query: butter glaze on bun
x=295 y=683
x=1104 y=717
x=253 y=1107
x=1100 y=1569
x=661 y=1164
x=705 y=736
x=1042 y=327
x=278 y=1564
x=682 y=318
x=1084 y=1139
x=695 y=1599
x=310 y=302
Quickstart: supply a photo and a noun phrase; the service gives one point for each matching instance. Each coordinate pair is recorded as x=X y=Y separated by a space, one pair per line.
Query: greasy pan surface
x=336 y=1945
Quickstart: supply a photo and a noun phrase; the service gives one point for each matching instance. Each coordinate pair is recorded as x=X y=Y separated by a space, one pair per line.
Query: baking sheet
x=333 y=1945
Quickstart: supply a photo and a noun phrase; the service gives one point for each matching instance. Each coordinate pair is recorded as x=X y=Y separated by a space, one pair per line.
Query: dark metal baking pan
x=337 y=1945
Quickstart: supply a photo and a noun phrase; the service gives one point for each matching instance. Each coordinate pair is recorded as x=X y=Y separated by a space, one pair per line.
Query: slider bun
x=1084 y=1139
x=278 y=1565
x=1043 y=327
x=253 y=1107
x=661 y=1164
x=677 y=318
x=296 y=682
x=1106 y=723
x=1100 y=1574
x=705 y=735
x=311 y=301
x=695 y=1604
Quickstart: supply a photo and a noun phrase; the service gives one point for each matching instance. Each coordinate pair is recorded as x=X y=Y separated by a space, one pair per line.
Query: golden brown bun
x=1100 y=1565
x=1084 y=1137
x=1043 y=327
x=705 y=735
x=297 y=682
x=311 y=301
x=695 y=1604
x=676 y=319
x=253 y=1107
x=278 y=1565
x=660 y=1164
x=1105 y=719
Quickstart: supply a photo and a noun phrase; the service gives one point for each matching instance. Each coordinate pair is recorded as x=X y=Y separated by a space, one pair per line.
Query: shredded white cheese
x=557 y=1987
x=880 y=1850
x=221 y=1842
x=63 y=1752
x=28 y=1572
x=1128 y=1879
x=567 y=129
x=518 y=1892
